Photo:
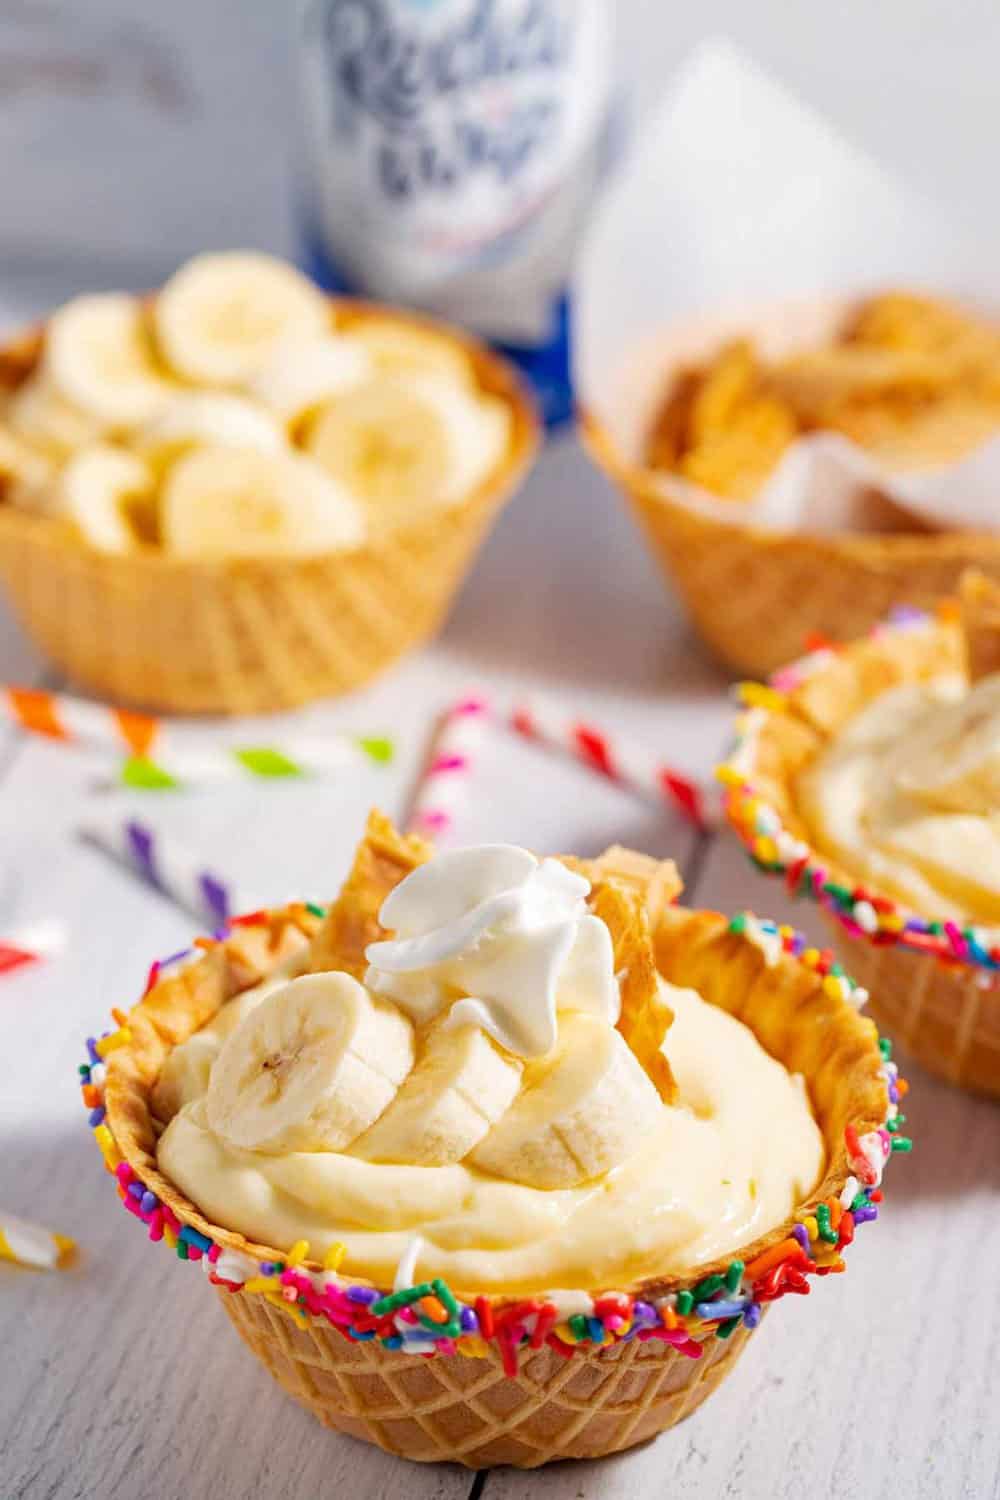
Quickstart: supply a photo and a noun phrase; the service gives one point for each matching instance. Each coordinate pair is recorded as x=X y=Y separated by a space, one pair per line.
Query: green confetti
x=728 y=1327
x=579 y=1327
x=738 y=923
x=707 y=1288
x=314 y=910
x=685 y=1302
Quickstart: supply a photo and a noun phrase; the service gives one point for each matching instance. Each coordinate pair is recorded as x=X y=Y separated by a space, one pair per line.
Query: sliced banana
x=187 y=1068
x=208 y=419
x=580 y=1111
x=299 y=377
x=461 y=1084
x=478 y=428
x=953 y=764
x=234 y=502
x=400 y=348
x=309 y=1068
x=39 y=414
x=385 y=444
x=108 y=496
x=26 y=472
x=220 y=317
x=99 y=355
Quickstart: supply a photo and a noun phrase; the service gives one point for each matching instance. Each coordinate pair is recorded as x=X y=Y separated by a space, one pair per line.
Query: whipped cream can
x=452 y=149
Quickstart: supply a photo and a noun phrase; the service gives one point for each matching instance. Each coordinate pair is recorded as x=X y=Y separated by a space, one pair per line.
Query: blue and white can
x=452 y=150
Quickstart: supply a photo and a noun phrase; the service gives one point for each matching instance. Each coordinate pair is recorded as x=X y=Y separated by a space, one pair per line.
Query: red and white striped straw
x=444 y=785
x=629 y=764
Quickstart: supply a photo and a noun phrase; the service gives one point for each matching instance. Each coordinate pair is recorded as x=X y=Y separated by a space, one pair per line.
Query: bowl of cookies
x=237 y=494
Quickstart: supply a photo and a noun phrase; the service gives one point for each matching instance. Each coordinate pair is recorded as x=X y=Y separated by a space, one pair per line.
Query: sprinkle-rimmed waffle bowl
x=932 y=983
x=509 y=1379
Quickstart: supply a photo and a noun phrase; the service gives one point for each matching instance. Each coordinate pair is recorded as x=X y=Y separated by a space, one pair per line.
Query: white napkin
x=736 y=196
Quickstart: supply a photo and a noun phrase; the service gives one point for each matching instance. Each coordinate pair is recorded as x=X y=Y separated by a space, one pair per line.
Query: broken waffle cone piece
x=645 y=1016
x=979 y=613
x=384 y=858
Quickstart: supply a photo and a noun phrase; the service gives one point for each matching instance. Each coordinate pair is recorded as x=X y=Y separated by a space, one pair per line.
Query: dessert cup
x=933 y=984
x=757 y=595
x=249 y=635
x=511 y=1379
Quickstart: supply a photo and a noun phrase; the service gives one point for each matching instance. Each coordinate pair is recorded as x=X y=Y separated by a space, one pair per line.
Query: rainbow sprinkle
x=427 y=1318
x=776 y=851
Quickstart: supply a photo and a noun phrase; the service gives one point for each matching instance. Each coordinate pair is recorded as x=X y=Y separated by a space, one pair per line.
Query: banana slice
x=99 y=355
x=108 y=495
x=461 y=1084
x=26 y=473
x=233 y=502
x=399 y=348
x=405 y=446
x=220 y=317
x=386 y=445
x=580 y=1111
x=40 y=415
x=478 y=430
x=309 y=1068
x=187 y=1068
x=299 y=377
x=197 y=419
x=953 y=765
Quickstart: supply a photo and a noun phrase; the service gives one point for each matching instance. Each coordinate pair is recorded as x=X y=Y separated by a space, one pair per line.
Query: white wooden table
x=122 y=1377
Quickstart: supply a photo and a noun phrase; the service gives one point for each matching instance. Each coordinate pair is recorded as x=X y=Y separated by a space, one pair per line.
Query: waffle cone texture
x=249 y=635
x=942 y=1008
x=756 y=596
x=474 y=1410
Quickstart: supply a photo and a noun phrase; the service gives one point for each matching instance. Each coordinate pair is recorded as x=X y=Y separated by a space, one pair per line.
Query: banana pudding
x=239 y=413
x=480 y=1070
x=908 y=797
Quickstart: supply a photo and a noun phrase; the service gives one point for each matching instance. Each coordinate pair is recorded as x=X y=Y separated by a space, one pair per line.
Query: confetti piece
x=30 y=1245
x=30 y=944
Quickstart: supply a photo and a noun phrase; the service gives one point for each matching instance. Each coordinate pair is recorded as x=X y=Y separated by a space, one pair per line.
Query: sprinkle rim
x=775 y=850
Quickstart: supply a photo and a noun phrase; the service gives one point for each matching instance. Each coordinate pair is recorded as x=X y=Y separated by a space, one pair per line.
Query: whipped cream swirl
x=498 y=939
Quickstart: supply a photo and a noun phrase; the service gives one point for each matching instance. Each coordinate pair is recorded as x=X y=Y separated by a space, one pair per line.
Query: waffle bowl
x=933 y=983
x=757 y=594
x=255 y=634
x=509 y=1380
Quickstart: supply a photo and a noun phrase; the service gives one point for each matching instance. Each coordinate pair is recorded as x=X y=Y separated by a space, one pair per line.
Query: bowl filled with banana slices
x=238 y=494
x=498 y=1158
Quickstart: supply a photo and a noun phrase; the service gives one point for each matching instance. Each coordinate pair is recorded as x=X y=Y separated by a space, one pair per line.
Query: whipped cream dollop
x=499 y=939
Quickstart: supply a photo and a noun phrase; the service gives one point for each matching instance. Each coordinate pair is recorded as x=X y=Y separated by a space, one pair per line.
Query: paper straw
x=177 y=765
x=444 y=785
x=620 y=760
x=28 y=945
x=162 y=861
x=31 y=1245
x=156 y=758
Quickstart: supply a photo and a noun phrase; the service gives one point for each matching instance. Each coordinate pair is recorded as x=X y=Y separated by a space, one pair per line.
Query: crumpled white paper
x=740 y=210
